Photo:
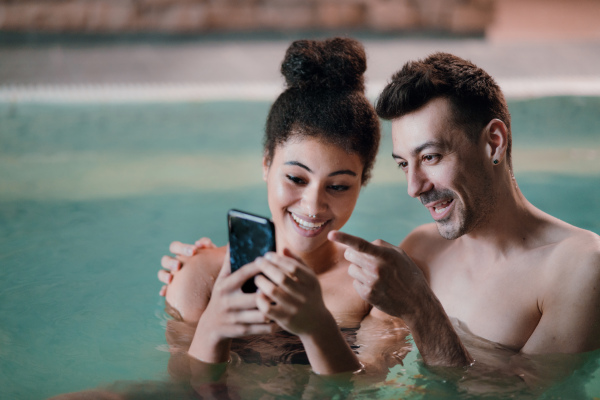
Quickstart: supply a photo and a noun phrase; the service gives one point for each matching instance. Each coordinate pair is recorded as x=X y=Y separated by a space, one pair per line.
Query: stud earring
x=495 y=162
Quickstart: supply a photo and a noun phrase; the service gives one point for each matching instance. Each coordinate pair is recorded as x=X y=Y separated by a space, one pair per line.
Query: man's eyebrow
x=417 y=150
x=340 y=172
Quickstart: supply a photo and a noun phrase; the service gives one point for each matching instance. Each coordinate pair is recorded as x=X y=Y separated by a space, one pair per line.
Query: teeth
x=439 y=209
x=307 y=225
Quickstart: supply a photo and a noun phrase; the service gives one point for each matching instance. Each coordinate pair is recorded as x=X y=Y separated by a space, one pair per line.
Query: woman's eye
x=402 y=165
x=339 y=188
x=295 y=179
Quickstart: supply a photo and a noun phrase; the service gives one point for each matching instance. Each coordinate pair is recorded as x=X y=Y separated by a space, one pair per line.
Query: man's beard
x=465 y=220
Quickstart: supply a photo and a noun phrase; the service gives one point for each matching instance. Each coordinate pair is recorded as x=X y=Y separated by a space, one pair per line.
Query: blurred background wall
x=497 y=19
x=471 y=16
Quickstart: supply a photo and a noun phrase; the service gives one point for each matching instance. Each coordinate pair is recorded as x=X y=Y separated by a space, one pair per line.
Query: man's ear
x=496 y=139
x=266 y=164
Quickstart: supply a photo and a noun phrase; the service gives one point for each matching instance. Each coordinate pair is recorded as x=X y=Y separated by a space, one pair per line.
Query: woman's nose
x=314 y=200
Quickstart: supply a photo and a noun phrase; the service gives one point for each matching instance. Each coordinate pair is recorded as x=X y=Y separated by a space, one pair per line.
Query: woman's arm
x=291 y=296
x=230 y=313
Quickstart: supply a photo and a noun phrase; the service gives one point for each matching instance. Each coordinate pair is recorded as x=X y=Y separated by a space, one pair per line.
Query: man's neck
x=509 y=227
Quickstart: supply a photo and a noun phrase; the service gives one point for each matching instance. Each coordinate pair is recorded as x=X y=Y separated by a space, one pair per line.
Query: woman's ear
x=496 y=137
x=266 y=164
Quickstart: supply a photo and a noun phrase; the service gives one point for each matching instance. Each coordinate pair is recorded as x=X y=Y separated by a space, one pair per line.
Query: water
x=91 y=195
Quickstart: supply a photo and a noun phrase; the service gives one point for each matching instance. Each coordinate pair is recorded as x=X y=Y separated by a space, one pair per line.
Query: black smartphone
x=250 y=236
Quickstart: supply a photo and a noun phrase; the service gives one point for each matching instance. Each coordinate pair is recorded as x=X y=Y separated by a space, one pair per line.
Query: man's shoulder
x=575 y=259
x=580 y=246
x=423 y=240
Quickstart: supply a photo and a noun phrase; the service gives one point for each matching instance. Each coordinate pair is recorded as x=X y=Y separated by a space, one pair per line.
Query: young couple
x=513 y=274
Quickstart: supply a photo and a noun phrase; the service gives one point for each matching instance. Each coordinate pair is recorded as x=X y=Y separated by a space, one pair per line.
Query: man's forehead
x=416 y=131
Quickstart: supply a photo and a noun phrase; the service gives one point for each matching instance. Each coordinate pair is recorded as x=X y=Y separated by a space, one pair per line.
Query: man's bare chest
x=499 y=303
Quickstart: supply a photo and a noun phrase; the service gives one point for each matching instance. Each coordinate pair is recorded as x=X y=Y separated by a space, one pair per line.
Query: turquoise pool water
x=91 y=195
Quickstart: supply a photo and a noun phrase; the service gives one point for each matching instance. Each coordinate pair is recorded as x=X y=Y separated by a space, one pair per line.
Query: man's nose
x=418 y=182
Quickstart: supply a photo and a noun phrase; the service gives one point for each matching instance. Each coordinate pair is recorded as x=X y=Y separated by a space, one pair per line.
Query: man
x=513 y=274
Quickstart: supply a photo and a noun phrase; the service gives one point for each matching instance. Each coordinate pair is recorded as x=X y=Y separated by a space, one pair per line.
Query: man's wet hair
x=325 y=99
x=474 y=95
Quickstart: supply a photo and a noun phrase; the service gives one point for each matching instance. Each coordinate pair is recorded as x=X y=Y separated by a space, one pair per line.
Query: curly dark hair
x=474 y=96
x=325 y=99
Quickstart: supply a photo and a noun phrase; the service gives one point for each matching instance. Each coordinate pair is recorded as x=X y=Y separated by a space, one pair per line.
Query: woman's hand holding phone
x=291 y=296
x=230 y=314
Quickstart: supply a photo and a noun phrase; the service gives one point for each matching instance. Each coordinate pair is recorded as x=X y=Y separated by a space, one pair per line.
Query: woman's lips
x=308 y=228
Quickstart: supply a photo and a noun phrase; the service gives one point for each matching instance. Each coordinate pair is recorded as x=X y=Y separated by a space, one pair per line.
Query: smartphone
x=250 y=236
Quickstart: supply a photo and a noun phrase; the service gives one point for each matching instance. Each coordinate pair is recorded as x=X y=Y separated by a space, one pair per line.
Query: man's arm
x=383 y=341
x=570 y=306
x=387 y=278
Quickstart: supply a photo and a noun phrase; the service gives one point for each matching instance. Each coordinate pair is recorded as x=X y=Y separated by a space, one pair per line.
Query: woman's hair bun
x=337 y=63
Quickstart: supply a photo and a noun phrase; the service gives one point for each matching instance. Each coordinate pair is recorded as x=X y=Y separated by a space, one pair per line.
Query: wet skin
x=512 y=273
x=312 y=189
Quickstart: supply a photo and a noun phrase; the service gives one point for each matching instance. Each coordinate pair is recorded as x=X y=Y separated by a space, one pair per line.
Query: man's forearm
x=435 y=337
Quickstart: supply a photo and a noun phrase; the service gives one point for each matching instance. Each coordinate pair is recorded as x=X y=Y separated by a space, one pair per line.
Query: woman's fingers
x=163 y=291
x=170 y=263
x=294 y=267
x=278 y=311
x=253 y=316
x=285 y=298
x=230 y=282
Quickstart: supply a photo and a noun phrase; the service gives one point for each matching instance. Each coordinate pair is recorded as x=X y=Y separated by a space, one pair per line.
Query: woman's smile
x=312 y=188
x=308 y=227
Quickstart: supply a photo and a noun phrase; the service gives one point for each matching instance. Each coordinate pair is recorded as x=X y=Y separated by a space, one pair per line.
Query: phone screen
x=250 y=236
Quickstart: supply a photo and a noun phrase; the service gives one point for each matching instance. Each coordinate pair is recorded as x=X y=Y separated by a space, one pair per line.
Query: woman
x=322 y=136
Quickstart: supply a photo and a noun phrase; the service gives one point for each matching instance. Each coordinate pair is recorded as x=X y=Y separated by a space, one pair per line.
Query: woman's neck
x=323 y=258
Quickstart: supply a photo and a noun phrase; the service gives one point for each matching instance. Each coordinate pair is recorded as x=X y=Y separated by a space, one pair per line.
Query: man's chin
x=448 y=230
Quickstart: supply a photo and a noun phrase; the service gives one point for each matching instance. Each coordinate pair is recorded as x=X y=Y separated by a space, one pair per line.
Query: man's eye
x=431 y=157
x=295 y=179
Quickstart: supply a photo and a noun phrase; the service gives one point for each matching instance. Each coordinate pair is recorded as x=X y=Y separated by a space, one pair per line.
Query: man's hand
x=182 y=252
x=384 y=275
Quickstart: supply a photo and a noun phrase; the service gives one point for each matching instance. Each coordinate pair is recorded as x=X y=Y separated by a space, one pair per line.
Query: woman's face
x=312 y=189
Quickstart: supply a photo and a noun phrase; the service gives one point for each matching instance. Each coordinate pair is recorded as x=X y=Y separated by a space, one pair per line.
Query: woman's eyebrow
x=298 y=164
x=340 y=172
x=343 y=172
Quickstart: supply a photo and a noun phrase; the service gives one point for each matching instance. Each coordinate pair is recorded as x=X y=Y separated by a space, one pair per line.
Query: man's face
x=444 y=169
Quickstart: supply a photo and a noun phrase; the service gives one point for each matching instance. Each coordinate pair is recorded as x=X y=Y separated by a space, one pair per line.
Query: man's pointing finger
x=356 y=243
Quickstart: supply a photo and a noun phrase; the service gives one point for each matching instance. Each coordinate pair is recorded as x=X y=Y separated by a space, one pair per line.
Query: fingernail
x=269 y=256
x=175 y=264
x=189 y=251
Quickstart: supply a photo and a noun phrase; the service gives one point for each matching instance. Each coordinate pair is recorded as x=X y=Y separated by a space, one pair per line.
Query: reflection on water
x=90 y=196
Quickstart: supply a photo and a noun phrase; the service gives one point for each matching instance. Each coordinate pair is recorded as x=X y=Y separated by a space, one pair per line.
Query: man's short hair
x=474 y=96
